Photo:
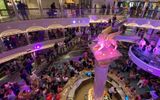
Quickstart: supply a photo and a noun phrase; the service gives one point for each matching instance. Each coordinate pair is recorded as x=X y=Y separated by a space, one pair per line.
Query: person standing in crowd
x=108 y=9
x=7 y=43
x=112 y=91
x=103 y=9
x=22 y=10
x=114 y=19
x=29 y=67
x=56 y=47
x=95 y=8
x=53 y=9
x=24 y=76
x=145 y=8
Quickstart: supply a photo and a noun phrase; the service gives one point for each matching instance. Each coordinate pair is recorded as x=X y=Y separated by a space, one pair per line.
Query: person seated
x=145 y=83
x=148 y=49
x=146 y=96
x=141 y=82
x=142 y=43
x=132 y=75
x=122 y=79
x=23 y=95
x=58 y=96
x=89 y=74
x=156 y=51
x=9 y=95
x=133 y=90
x=49 y=96
x=65 y=79
x=154 y=95
x=138 y=97
x=127 y=83
x=112 y=91
x=118 y=74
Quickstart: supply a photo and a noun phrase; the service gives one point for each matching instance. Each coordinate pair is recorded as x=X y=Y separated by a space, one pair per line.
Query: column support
x=15 y=9
x=100 y=81
x=46 y=34
x=2 y=47
x=24 y=1
x=40 y=7
x=27 y=38
x=61 y=7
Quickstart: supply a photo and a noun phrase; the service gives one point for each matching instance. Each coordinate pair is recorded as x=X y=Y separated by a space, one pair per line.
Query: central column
x=100 y=81
x=105 y=52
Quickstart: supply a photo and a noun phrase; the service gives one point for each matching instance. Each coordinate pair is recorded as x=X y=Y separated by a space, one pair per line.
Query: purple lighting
x=37 y=47
x=74 y=22
x=105 y=52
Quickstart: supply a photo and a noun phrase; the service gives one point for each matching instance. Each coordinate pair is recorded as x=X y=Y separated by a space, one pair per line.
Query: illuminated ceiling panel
x=70 y=1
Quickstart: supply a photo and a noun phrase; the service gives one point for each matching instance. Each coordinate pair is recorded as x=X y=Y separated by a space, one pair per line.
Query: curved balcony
x=11 y=54
x=23 y=31
x=42 y=24
x=143 y=23
x=123 y=38
x=148 y=63
x=12 y=28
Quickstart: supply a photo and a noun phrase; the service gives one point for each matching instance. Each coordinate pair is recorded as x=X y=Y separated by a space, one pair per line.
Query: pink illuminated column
x=105 y=52
x=100 y=81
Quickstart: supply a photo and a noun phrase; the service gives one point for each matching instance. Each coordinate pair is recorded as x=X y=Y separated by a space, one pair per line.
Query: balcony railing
x=36 y=13
x=149 y=58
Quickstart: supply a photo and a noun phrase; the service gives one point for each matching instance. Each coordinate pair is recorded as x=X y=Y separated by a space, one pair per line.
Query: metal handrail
x=59 y=13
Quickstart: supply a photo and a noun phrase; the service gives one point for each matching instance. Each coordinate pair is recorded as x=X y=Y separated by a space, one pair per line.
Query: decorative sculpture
x=105 y=51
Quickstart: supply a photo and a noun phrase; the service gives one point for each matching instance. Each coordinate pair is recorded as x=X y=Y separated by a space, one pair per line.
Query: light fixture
x=74 y=22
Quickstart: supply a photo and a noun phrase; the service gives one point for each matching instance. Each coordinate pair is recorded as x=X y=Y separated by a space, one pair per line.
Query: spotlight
x=74 y=22
x=37 y=47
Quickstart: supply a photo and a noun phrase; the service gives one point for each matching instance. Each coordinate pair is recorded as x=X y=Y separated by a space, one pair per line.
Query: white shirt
x=111 y=90
x=65 y=79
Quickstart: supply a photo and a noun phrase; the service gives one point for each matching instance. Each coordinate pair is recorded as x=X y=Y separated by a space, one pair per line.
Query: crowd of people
x=136 y=80
x=19 y=40
x=49 y=82
x=145 y=10
x=15 y=41
x=147 y=50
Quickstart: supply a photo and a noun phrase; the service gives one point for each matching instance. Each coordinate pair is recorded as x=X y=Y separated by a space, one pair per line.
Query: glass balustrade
x=23 y=39
x=149 y=58
x=36 y=13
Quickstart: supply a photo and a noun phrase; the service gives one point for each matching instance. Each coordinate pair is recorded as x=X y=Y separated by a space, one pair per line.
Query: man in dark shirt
x=114 y=18
x=56 y=47
x=22 y=10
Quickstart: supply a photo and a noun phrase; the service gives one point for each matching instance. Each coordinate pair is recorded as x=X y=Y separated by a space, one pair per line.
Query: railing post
x=27 y=38
x=79 y=8
x=61 y=8
x=2 y=47
x=46 y=35
x=15 y=9
x=40 y=7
